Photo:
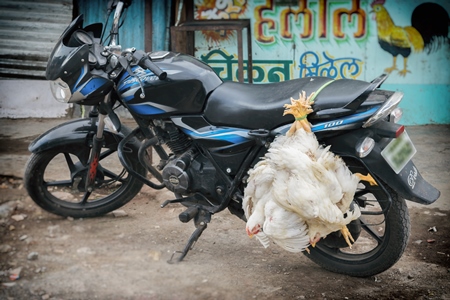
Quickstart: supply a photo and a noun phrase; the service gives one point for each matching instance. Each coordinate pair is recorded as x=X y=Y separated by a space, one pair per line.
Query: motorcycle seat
x=260 y=106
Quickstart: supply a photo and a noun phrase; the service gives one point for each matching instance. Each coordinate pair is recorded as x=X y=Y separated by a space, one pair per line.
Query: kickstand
x=190 y=244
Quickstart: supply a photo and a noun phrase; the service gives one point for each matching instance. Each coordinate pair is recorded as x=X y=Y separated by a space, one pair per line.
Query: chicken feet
x=368 y=178
x=347 y=236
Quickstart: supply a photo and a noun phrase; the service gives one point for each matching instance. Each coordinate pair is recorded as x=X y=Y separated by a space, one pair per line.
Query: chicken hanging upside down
x=300 y=191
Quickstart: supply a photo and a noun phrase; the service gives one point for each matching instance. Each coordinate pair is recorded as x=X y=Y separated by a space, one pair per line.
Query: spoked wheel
x=381 y=233
x=55 y=179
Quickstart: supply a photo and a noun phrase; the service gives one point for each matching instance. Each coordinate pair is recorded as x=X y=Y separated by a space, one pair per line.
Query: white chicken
x=268 y=220
x=300 y=191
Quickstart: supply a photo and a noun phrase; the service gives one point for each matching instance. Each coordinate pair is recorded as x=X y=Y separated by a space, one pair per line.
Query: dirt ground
x=113 y=257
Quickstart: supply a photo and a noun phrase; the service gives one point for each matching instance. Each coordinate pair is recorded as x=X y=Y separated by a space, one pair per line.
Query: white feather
x=263 y=239
x=285 y=228
x=298 y=191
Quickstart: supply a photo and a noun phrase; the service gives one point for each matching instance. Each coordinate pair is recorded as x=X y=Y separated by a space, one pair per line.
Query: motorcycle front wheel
x=381 y=236
x=55 y=180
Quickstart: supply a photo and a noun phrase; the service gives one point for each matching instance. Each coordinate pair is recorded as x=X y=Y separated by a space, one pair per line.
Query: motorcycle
x=208 y=134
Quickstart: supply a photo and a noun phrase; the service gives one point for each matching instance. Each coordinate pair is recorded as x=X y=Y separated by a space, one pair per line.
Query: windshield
x=61 y=62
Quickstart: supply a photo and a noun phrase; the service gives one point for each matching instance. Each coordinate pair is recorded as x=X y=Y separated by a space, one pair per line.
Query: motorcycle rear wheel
x=382 y=240
x=55 y=180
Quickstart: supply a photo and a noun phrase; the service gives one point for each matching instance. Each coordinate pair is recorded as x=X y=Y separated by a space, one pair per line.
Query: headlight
x=385 y=109
x=60 y=90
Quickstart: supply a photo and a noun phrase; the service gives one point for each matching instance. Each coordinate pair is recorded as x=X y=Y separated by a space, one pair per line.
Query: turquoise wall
x=424 y=103
x=131 y=34
x=338 y=39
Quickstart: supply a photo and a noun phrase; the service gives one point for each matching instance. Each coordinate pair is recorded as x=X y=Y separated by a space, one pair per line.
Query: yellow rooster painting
x=428 y=31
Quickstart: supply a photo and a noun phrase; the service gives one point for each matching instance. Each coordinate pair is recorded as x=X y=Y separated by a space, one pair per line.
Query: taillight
x=365 y=146
x=396 y=115
x=385 y=109
x=399 y=131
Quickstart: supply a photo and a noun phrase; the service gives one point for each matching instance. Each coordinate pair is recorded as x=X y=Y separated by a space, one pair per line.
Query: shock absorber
x=97 y=143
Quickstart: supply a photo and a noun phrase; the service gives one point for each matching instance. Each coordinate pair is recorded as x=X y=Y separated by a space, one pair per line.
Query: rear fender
x=77 y=135
x=409 y=184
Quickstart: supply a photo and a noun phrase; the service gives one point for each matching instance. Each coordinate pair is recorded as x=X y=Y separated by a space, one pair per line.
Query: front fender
x=76 y=132
x=409 y=184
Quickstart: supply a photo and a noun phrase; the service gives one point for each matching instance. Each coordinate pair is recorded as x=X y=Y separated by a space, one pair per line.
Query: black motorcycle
x=207 y=134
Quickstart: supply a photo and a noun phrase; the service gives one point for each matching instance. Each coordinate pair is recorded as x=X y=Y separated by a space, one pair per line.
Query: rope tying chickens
x=300 y=191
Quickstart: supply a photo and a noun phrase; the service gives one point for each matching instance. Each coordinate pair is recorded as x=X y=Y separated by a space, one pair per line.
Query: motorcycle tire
x=379 y=244
x=55 y=180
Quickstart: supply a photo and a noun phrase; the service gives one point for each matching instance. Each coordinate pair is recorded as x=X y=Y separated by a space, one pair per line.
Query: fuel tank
x=184 y=91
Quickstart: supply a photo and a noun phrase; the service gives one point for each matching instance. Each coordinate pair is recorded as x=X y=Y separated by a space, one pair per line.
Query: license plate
x=399 y=152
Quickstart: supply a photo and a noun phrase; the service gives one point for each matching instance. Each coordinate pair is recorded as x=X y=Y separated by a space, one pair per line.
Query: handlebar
x=144 y=61
x=119 y=6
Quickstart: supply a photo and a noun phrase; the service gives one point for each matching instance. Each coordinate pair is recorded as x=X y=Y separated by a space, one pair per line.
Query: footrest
x=188 y=214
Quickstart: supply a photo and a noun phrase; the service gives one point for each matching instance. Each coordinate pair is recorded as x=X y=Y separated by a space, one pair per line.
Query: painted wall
x=340 y=39
x=131 y=34
x=21 y=98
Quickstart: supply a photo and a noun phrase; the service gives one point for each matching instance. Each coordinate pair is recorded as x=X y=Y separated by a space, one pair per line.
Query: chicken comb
x=375 y=2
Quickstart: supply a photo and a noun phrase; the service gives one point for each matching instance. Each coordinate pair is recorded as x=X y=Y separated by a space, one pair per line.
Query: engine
x=189 y=173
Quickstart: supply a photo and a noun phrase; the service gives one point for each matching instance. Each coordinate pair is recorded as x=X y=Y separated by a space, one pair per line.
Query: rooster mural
x=428 y=31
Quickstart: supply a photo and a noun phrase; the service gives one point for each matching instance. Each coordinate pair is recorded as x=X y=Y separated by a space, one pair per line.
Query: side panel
x=228 y=146
x=211 y=136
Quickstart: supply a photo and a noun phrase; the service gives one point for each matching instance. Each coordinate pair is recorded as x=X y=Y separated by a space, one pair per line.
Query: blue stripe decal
x=128 y=81
x=126 y=99
x=93 y=85
x=83 y=71
x=127 y=87
x=125 y=75
x=231 y=135
x=335 y=124
x=146 y=109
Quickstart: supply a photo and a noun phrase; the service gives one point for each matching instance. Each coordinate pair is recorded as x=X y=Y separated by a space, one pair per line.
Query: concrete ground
x=125 y=257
